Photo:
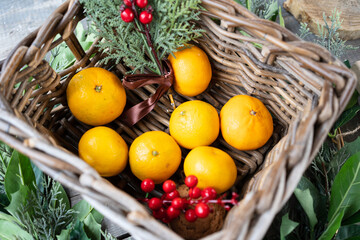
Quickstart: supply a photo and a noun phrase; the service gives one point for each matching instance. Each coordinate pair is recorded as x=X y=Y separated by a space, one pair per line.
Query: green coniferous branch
x=172 y=28
x=328 y=35
x=5 y=155
x=45 y=214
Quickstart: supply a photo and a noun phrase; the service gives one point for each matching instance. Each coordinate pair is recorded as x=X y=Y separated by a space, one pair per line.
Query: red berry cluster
x=128 y=11
x=170 y=205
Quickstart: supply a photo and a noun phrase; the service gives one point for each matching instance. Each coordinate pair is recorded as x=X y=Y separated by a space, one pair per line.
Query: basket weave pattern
x=303 y=86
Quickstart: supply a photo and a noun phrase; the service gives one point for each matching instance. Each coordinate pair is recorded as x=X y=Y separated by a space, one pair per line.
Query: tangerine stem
x=155 y=153
x=98 y=88
x=252 y=112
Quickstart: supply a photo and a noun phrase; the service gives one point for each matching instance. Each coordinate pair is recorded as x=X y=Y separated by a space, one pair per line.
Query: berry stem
x=147 y=38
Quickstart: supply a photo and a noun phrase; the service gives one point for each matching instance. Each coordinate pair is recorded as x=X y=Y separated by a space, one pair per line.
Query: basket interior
x=244 y=60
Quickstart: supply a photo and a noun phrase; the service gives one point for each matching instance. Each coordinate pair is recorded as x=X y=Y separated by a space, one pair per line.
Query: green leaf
x=10 y=230
x=64 y=235
x=78 y=232
x=346 y=116
x=92 y=228
x=346 y=232
x=287 y=226
x=281 y=18
x=347 y=63
x=307 y=202
x=7 y=217
x=97 y=216
x=83 y=209
x=354 y=219
x=319 y=200
x=249 y=4
x=18 y=199
x=345 y=192
x=19 y=173
x=333 y=226
x=39 y=175
x=353 y=100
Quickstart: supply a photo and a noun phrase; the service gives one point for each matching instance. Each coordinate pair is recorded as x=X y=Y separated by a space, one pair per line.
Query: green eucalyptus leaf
x=346 y=232
x=10 y=230
x=287 y=226
x=92 y=228
x=345 y=192
x=307 y=203
x=18 y=199
x=346 y=116
x=19 y=173
x=354 y=219
x=332 y=227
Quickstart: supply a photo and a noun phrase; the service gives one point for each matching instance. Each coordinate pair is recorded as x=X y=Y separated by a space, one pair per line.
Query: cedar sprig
x=5 y=156
x=44 y=214
x=173 y=26
x=328 y=35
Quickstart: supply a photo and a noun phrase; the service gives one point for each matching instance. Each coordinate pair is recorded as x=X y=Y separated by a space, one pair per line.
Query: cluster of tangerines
x=96 y=97
x=195 y=205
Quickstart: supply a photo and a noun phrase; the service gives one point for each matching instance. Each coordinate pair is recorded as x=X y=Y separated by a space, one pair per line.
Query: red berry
x=128 y=3
x=166 y=219
x=159 y=214
x=194 y=192
x=155 y=204
x=172 y=195
x=227 y=207
x=145 y=17
x=202 y=210
x=127 y=15
x=191 y=181
x=142 y=3
x=147 y=185
x=172 y=212
x=209 y=193
x=190 y=215
x=169 y=186
x=178 y=203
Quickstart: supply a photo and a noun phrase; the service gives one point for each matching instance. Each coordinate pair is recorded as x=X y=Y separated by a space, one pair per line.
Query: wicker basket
x=304 y=87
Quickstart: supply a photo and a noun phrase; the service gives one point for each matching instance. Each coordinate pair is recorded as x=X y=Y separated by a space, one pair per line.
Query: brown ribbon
x=140 y=110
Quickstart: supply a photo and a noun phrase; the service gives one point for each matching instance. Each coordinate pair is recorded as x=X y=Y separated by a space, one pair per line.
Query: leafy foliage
x=328 y=35
x=5 y=155
x=287 y=226
x=172 y=28
x=328 y=195
x=267 y=9
x=41 y=211
x=61 y=57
